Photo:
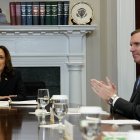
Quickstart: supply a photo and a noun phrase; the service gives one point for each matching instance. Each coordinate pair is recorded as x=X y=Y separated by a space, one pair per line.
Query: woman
x=11 y=85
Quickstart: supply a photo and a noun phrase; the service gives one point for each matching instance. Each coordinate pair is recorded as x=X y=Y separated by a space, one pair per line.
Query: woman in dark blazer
x=11 y=84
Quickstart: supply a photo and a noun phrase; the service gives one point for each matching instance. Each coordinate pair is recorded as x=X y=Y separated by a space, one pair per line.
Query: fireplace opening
x=40 y=77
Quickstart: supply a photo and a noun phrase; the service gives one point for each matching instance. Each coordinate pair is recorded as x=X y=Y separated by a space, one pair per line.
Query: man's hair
x=136 y=31
x=8 y=63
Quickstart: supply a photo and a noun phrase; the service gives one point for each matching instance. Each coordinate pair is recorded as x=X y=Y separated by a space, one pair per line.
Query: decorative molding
x=45 y=30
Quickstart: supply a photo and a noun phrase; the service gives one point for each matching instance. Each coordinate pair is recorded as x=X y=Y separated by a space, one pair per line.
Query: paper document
x=120 y=122
x=73 y=111
x=4 y=103
x=28 y=102
x=24 y=106
x=77 y=111
x=53 y=126
x=115 y=135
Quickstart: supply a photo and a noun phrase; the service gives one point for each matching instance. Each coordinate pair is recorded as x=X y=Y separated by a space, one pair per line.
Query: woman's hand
x=4 y=97
x=102 y=89
x=7 y=97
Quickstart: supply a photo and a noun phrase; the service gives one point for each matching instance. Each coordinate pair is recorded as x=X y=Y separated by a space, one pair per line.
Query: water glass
x=43 y=99
x=60 y=106
x=90 y=122
x=42 y=119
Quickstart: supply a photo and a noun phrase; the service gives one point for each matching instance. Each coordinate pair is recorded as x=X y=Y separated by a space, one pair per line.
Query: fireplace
x=40 y=77
x=52 y=46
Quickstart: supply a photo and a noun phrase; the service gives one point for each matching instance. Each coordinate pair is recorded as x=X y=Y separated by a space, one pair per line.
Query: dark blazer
x=130 y=109
x=13 y=85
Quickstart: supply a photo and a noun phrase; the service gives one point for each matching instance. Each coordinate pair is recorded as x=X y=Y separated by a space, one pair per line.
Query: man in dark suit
x=11 y=85
x=108 y=92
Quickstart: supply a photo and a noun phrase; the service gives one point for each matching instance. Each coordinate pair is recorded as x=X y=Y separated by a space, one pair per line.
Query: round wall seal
x=81 y=13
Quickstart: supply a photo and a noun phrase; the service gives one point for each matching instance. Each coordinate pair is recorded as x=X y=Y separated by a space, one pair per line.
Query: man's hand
x=105 y=90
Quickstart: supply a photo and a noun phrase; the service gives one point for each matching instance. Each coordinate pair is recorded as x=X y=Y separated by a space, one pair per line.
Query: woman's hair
x=8 y=69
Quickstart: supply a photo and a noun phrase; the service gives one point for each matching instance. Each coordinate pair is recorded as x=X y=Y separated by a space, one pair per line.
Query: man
x=108 y=92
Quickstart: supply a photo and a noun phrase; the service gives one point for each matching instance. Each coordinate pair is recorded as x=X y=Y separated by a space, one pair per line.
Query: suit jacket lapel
x=135 y=89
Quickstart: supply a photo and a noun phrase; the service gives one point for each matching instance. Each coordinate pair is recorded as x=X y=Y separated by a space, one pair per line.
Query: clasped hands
x=105 y=90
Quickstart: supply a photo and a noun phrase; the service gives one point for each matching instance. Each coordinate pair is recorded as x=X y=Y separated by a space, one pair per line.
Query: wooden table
x=17 y=124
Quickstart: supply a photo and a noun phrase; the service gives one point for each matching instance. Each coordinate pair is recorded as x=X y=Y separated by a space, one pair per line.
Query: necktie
x=138 y=83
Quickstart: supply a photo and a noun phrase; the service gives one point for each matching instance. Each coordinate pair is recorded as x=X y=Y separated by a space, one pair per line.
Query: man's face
x=135 y=47
x=2 y=60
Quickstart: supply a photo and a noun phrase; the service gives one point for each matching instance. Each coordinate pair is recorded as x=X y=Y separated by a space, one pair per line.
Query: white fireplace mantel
x=45 y=30
x=42 y=46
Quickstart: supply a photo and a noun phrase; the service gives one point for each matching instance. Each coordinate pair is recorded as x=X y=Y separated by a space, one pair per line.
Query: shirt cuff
x=114 y=101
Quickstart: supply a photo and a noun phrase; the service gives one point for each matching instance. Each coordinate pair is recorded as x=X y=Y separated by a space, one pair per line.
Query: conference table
x=20 y=123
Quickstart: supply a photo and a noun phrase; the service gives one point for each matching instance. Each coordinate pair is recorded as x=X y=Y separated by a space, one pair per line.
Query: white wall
x=126 y=66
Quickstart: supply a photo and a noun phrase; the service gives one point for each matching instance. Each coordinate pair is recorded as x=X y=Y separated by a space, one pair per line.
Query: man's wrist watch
x=110 y=101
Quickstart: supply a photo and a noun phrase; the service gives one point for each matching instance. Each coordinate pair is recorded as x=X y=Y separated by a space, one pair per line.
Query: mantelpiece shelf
x=41 y=29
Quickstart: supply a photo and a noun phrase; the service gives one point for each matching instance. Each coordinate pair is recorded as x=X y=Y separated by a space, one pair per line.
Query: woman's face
x=2 y=60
